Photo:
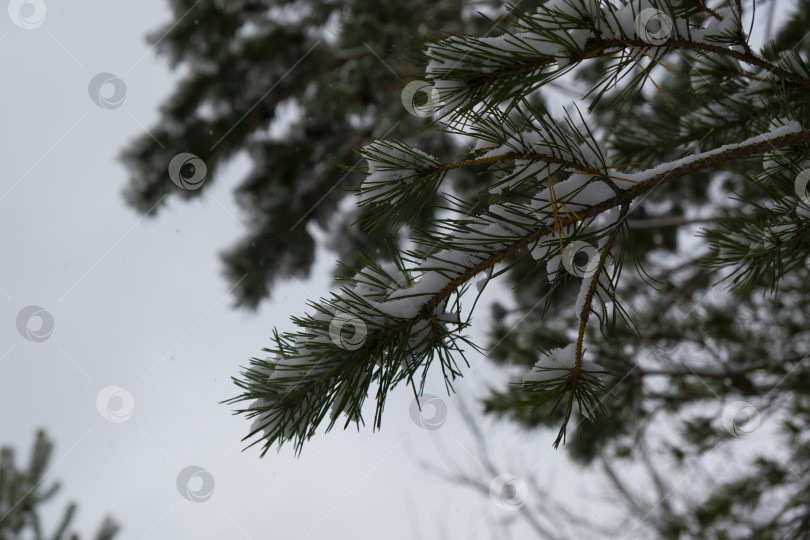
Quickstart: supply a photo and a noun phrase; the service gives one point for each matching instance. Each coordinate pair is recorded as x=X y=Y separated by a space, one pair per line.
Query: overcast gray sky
x=140 y=305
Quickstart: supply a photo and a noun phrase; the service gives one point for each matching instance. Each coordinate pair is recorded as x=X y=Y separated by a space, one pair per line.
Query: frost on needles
x=553 y=181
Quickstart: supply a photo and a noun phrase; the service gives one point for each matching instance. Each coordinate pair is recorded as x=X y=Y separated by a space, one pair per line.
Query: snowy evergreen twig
x=469 y=71
x=555 y=183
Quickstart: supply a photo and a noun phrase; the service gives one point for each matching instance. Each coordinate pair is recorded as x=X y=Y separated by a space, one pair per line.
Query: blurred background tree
x=23 y=493
x=299 y=85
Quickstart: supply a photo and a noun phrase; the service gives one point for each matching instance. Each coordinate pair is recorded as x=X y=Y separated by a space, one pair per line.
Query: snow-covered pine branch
x=470 y=72
x=554 y=183
x=399 y=182
x=403 y=319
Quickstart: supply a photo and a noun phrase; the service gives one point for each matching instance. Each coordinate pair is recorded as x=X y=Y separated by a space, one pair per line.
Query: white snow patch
x=560 y=363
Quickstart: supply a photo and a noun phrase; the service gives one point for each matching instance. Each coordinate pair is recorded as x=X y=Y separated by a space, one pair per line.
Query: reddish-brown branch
x=585 y=314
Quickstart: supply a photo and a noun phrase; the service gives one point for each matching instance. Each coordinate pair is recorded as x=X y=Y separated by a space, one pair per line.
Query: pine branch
x=589 y=287
x=402 y=316
x=468 y=71
x=552 y=181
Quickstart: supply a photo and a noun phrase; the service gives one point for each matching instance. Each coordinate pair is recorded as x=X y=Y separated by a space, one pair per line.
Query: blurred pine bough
x=23 y=492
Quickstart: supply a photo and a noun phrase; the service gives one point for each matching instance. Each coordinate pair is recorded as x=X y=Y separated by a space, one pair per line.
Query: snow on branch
x=468 y=71
x=399 y=181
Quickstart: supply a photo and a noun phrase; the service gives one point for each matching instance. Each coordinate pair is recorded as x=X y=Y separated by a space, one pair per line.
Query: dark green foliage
x=23 y=492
